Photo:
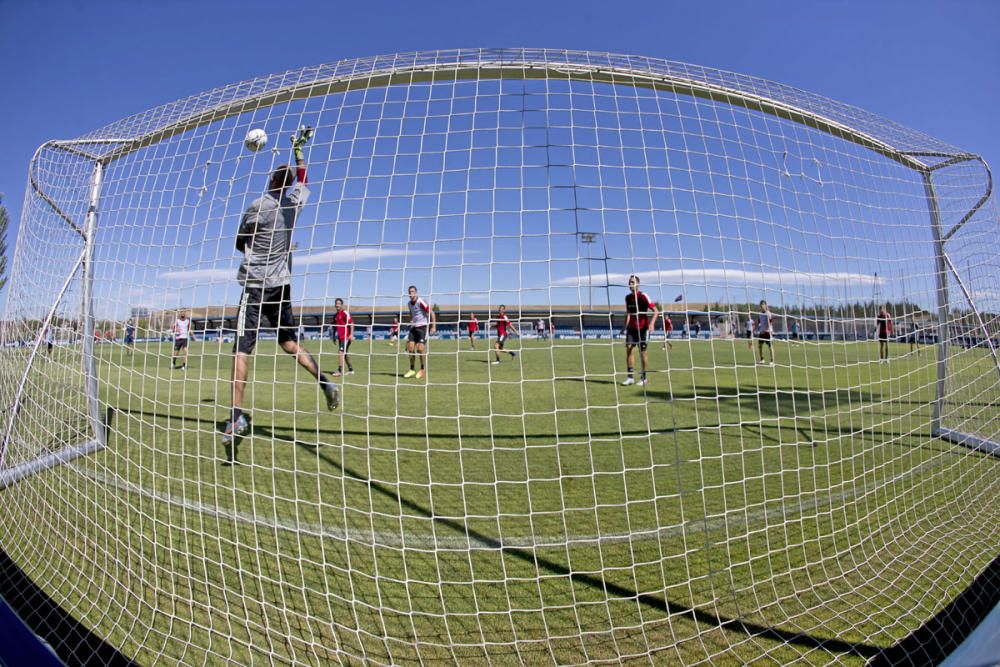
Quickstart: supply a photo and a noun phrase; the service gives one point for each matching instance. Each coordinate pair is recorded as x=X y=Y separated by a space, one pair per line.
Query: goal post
x=588 y=492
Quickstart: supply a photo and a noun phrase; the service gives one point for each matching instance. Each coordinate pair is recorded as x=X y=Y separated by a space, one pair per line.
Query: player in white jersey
x=182 y=334
x=421 y=314
x=765 y=331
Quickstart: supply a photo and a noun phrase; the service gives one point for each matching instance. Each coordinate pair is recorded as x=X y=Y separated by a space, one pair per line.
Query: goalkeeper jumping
x=265 y=239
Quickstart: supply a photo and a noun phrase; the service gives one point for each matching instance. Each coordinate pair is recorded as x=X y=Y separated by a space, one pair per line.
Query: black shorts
x=748 y=334
x=273 y=304
x=180 y=344
x=343 y=345
x=794 y=335
x=129 y=340
x=764 y=337
x=636 y=337
x=883 y=337
x=417 y=335
x=501 y=341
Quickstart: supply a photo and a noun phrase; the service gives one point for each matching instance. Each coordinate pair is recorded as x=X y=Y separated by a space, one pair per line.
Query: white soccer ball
x=256 y=140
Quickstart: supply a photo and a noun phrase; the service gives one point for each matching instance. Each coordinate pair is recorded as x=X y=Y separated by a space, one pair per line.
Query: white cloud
x=353 y=255
x=720 y=277
x=199 y=275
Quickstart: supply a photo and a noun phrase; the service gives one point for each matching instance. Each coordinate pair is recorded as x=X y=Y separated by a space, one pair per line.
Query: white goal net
x=232 y=431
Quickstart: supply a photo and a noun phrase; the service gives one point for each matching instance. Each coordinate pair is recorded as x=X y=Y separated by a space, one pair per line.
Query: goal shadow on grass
x=610 y=588
x=908 y=651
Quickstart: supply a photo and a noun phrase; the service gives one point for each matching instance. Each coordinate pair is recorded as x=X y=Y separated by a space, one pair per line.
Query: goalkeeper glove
x=300 y=139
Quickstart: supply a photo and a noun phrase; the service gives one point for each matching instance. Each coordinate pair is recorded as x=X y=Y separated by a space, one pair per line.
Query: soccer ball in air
x=256 y=140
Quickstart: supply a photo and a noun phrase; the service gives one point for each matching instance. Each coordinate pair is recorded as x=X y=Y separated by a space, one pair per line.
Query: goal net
x=638 y=475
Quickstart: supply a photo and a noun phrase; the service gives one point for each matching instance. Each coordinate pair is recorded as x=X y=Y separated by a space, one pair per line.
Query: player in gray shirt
x=265 y=239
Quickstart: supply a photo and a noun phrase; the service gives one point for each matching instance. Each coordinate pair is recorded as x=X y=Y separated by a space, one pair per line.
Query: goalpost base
x=973 y=442
x=19 y=472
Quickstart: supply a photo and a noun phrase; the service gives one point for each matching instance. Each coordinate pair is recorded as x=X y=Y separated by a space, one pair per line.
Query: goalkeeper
x=264 y=238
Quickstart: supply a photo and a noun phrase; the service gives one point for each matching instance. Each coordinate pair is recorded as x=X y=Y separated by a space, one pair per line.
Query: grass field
x=534 y=511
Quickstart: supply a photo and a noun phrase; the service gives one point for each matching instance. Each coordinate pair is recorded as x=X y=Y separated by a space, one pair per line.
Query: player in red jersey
x=504 y=328
x=394 y=332
x=344 y=333
x=641 y=319
x=473 y=328
x=883 y=330
x=668 y=326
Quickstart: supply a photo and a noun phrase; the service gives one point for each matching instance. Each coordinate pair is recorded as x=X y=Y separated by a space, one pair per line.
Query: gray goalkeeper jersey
x=266 y=229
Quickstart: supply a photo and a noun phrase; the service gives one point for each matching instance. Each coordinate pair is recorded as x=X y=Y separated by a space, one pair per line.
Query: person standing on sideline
x=182 y=334
x=641 y=319
x=883 y=329
x=130 y=337
x=265 y=239
x=765 y=331
x=421 y=314
x=668 y=326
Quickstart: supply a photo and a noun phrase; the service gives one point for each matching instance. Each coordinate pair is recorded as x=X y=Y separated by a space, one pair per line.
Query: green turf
x=533 y=511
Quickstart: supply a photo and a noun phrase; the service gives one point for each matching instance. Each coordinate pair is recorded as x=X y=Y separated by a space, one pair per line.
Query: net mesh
x=580 y=491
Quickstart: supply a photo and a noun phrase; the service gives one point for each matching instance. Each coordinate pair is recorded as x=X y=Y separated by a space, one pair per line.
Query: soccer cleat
x=337 y=374
x=771 y=364
x=495 y=362
x=350 y=372
x=628 y=381
x=232 y=430
x=332 y=396
x=420 y=373
x=410 y=373
x=513 y=355
x=640 y=383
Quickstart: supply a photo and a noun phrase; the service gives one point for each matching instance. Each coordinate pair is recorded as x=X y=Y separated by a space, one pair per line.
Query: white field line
x=732 y=521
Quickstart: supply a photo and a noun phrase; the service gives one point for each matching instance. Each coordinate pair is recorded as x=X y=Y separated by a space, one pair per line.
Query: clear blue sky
x=75 y=66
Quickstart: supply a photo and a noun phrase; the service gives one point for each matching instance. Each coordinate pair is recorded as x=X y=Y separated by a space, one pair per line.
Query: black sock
x=237 y=413
x=630 y=371
x=323 y=380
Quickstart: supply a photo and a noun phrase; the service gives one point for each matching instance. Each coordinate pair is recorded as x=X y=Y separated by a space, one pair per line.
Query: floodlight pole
x=89 y=363
x=588 y=239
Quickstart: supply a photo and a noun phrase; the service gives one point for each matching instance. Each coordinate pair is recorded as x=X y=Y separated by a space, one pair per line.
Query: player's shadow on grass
x=587 y=380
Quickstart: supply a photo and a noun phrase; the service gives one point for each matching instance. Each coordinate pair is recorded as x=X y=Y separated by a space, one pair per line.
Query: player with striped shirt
x=421 y=315
x=641 y=314
x=343 y=328
x=504 y=328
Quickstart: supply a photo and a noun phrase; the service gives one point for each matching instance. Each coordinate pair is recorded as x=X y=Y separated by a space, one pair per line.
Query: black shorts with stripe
x=270 y=304
x=636 y=336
